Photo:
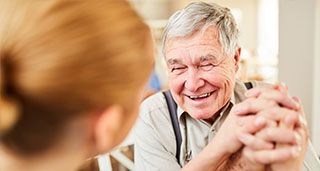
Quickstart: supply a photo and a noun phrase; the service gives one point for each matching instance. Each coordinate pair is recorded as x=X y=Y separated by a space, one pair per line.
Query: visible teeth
x=205 y=95
x=202 y=96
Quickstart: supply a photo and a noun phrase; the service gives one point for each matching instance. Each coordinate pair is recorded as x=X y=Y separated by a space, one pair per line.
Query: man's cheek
x=177 y=81
x=218 y=78
x=176 y=85
x=225 y=75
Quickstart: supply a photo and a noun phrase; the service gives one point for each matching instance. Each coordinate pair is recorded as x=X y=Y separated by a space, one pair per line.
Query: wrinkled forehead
x=209 y=36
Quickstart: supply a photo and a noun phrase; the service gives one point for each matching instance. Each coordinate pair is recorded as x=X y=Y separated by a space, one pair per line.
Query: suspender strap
x=248 y=85
x=172 y=106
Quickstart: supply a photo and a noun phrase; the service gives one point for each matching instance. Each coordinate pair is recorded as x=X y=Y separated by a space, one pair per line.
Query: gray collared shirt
x=155 y=143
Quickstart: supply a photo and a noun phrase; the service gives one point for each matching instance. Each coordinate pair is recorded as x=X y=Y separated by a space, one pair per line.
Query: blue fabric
x=154 y=82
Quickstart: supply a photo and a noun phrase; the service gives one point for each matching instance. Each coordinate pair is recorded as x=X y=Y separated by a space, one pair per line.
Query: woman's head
x=61 y=60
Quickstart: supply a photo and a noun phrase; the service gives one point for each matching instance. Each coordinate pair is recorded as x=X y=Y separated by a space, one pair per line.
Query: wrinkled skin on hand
x=302 y=131
x=237 y=162
x=286 y=116
x=227 y=139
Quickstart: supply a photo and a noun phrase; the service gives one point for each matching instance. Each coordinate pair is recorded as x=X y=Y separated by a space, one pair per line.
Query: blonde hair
x=60 y=59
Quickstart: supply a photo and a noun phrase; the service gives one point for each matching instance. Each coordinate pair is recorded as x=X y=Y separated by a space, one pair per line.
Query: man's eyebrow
x=173 y=61
x=208 y=57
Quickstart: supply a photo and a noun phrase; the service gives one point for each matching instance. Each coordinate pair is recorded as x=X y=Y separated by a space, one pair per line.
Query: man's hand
x=302 y=131
x=225 y=143
x=259 y=99
x=289 y=141
x=235 y=124
x=255 y=155
x=295 y=122
x=226 y=140
x=272 y=133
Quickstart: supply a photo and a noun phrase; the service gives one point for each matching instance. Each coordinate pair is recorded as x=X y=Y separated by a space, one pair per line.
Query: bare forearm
x=210 y=158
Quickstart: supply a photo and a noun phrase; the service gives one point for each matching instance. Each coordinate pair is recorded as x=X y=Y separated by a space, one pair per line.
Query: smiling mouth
x=201 y=96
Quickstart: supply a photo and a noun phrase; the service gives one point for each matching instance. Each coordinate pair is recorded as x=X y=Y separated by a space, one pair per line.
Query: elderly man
x=222 y=124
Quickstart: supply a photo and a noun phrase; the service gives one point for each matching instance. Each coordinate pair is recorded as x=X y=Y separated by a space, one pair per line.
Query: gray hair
x=201 y=15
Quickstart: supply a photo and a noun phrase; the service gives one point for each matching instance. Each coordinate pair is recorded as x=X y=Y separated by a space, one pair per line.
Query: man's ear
x=237 y=58
x=106 y=128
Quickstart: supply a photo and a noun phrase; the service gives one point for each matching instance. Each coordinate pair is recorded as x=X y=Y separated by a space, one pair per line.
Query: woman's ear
x=106 y=128
x=237 y=58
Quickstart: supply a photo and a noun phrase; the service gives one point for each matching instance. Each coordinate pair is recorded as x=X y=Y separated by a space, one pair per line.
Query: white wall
x=297 y=53
x=316 y=97
x=248 y=25
x=268 y=27
x=153 y=9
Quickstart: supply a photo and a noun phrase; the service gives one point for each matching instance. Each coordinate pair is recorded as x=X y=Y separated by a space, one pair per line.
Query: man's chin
x=201 y=115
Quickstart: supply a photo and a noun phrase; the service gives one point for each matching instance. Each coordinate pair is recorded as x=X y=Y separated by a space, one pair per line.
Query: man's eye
x=207 y=67
x=178 y=70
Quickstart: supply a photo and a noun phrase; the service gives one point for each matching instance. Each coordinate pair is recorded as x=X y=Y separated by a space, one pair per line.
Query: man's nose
x=193 y=80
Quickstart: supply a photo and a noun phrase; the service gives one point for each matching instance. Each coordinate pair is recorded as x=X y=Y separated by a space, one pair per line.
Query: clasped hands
x=267 y=131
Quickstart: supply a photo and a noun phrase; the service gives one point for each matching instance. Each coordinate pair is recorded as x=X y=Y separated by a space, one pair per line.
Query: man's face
x=201 y=75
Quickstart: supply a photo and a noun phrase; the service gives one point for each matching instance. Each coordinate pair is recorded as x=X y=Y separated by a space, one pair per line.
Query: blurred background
x=280 y=42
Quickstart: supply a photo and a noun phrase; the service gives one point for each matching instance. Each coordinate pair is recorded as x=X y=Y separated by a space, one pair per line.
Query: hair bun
x=9 y=114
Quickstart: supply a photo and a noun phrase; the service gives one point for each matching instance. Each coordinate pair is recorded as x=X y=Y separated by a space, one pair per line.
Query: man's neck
x=213 y=119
